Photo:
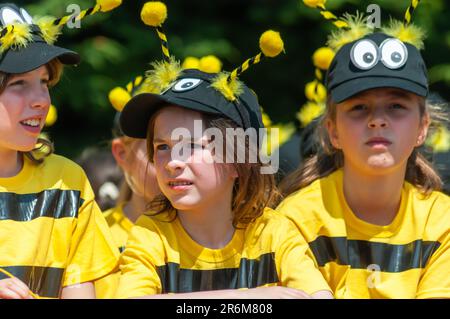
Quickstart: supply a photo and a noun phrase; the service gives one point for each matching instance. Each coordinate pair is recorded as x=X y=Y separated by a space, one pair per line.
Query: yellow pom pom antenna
x=52 y=116
x=118 y=97
x=271 y=45
x=154 y=13
x=210 y=64
x=322 y=58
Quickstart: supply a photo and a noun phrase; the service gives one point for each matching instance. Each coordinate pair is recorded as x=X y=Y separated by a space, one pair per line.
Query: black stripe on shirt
x=55 y=203
x=250 y=274
x=45 y=281
x=359 y=254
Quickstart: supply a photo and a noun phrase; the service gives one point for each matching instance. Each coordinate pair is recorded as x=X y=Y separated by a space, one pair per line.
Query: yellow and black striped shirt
x=52 y=233
x=410 y=258
x=161 y=257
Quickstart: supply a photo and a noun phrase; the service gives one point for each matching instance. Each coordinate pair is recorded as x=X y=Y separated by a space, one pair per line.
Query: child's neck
x=210 y=225
x=135 y=207
x=374 y=199
x=11 y=163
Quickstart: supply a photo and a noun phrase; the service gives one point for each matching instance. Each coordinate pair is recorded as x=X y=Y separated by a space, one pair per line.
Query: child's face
x=24 y=105
x=378 y=129
x=193 y=181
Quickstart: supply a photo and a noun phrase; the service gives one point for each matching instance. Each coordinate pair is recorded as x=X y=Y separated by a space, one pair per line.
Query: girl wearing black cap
x=369 y=204
x=210 y=234
x=54 y=239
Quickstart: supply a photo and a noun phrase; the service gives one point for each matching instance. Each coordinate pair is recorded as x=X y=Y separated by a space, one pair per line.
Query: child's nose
x=175 y=165
x=40 y=97
x=377 y=119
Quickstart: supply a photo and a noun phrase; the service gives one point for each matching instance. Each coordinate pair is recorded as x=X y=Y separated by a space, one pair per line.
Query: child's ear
x=119 y=152
x=423 y=130
x=332 y=133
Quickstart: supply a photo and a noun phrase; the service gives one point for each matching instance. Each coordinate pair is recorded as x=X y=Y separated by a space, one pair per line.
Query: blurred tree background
x=116 y=47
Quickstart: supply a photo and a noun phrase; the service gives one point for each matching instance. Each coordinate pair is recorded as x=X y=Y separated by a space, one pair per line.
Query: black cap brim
x=34 y=55
x=137 y=112
x=350 y=88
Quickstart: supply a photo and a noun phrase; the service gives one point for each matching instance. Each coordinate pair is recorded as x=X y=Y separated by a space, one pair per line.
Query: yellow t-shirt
x=52 y=233
x=120 y=227
x=160 y=257
x=410 y=258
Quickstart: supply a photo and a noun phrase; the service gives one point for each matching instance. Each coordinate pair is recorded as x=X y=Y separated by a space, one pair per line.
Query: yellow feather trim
x=357 y=28
x=162 y=74
x=18 y=38
x=411 y=34
x=49 y=31
x=231 y=90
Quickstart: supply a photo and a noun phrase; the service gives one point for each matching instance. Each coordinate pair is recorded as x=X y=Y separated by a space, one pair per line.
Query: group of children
x=362 y=218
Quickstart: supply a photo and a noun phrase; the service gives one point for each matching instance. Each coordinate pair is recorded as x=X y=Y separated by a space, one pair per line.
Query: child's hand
x=277 y=292
x=13 y=288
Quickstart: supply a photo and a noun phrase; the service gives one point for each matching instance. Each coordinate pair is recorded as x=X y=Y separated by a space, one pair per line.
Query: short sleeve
x=435 y=280
x=138 y=267
x=93 y=253
x=295 y=261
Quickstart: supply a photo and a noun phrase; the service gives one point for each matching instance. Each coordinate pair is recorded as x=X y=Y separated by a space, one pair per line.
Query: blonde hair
x=44 y=147
x=328 y=159
x=252 y=191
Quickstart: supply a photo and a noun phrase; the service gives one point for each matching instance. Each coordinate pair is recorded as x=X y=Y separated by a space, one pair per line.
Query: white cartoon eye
x=186 y=84
x=26 y=16
x=364 y=54
x=9 y=16
x=394 y=53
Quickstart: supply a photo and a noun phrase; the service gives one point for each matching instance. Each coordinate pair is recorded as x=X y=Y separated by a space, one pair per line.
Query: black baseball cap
x=376 y=61
x=192 y=90
x=36 y=53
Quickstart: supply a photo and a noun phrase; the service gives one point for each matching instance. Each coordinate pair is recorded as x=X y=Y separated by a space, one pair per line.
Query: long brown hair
x=252 y=191
x=44 y=147
x=328 y=159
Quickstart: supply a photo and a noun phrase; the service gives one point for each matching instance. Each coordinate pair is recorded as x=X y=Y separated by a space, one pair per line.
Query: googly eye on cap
x=394 y=53
x=186 y=84
x=364 y=54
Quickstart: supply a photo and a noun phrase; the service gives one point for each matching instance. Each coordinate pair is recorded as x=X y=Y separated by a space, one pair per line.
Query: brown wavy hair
x=44 y=147
x=328 y=159
x=252 y=190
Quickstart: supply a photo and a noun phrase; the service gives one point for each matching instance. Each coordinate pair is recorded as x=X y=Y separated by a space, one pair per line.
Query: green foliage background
x=116 y=46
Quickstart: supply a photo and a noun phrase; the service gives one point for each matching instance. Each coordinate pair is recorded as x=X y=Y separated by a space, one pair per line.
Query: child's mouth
x=32 y=125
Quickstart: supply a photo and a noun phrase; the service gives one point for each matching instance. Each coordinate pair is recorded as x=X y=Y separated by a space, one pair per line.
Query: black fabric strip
x=250 y=274
x=55 y=203
x=359 y=254
x=45 y=281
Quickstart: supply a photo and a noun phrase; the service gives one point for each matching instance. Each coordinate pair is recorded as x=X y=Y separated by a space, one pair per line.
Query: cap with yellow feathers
x=196 y=85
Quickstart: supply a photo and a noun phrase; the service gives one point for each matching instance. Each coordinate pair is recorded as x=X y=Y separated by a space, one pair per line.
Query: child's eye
x=397 y=107
x=16 y=83
x=359 y=107
x=161 y=147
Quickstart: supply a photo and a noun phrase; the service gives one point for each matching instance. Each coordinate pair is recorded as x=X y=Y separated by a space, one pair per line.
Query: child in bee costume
x=368 y=203
x=53 y=236
x=210 y=233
